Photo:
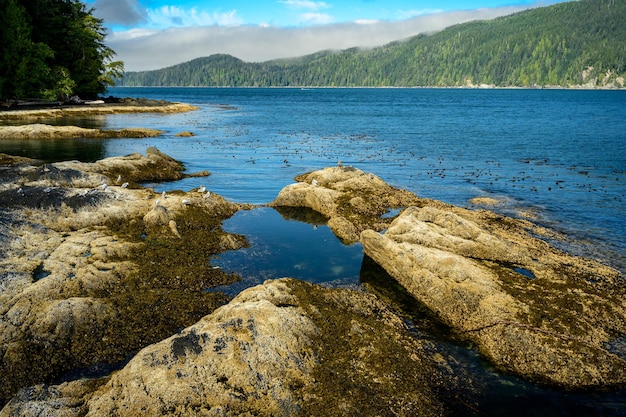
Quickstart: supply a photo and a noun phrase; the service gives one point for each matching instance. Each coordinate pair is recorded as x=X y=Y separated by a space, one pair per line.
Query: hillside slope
x=578 y=43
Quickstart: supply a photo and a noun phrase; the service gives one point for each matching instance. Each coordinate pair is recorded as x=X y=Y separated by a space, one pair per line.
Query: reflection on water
x=53 y=150
x=288 y=243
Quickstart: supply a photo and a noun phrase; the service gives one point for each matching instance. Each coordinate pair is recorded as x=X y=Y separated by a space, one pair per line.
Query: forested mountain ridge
x=579 y=43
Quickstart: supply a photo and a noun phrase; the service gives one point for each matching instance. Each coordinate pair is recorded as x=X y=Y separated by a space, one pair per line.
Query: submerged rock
x=284 y=348
x=533 y=310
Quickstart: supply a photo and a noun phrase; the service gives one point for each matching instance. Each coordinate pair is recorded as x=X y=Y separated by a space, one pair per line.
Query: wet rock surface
x=531 y=309
x=104 y=308
x=84 y=280
x=283 y=348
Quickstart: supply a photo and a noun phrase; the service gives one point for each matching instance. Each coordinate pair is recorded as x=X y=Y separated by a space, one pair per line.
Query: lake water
x=556 y=156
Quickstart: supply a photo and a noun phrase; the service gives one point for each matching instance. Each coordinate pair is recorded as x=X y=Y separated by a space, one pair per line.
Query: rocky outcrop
x=532 y=309
x=43 y=131
x=284 y=348
x=352 y=200
x=78 y=287
x=124 y=106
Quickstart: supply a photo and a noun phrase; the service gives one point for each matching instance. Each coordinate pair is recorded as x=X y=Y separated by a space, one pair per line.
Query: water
x=556 y=156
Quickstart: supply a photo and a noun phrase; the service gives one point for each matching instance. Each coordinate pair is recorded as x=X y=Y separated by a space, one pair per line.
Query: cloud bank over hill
x=147 y=49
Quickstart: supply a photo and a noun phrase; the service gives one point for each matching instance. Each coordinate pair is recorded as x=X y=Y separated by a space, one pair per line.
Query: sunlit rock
x=353 y=200
x=91 y=271
x=530 y=308
x=284 y=348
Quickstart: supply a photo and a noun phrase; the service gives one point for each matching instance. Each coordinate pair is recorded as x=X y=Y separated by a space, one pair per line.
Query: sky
x=152 y=34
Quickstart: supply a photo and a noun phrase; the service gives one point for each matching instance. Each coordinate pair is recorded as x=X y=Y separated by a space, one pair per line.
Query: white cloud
x=305 y=4
x=145 y=49
x=168 y=16
x=315 y=18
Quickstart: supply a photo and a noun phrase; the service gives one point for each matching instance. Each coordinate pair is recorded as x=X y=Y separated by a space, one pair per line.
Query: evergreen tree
x=62 y=50
x=23 y=68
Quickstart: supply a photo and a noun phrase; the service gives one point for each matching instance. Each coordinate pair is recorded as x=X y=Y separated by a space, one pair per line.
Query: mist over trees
x=53 y=49
x=567 y=44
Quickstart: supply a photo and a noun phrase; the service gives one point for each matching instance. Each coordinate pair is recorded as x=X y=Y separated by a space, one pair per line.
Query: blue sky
x=149 y=34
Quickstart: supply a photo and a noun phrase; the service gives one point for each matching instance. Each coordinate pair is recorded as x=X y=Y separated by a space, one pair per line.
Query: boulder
x=284 y=348
x=352 y=199
x=532 y=309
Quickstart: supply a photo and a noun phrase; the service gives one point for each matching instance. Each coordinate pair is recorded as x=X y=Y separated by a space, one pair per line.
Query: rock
x=127 y=106
x=43 y=131
x=530 y=308
x=352 y=199
x=284 y=348
x=91 y=271
x=157 y=216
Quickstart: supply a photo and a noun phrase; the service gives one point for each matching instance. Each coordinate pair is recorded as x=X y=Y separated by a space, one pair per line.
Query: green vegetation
x=573 y=43
x=53 y=49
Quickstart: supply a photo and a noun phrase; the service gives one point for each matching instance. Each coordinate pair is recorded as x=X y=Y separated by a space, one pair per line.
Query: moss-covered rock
x=85 y=280
x=284 y=348
x=532 y=309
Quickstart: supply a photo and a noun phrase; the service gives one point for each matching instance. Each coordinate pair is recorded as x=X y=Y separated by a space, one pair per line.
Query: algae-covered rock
x=352 y=199
x=284 y=348
x=43 y=131
x=88 y=276
x=533 y=310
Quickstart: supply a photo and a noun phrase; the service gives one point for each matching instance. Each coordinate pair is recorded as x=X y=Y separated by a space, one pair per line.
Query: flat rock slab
x=43 y=131
x=90 y=110
x=533 y=310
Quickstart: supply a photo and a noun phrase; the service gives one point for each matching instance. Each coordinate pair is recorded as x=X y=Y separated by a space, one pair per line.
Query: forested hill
x=568 y=44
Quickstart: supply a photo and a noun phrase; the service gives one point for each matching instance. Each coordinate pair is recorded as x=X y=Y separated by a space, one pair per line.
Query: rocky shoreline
x=31 y=129
x=98 y=271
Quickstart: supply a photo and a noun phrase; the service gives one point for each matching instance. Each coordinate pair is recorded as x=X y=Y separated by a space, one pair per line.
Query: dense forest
x=567 y=44
x=53 y=49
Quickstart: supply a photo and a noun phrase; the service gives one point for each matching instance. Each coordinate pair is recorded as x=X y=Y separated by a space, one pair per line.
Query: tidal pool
x=294 y=243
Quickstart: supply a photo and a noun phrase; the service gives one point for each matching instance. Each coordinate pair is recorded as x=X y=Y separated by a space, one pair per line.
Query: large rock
x=89 y=273
x=533 y=310
x=284 y=348
x=43 y=131
x=352 y=199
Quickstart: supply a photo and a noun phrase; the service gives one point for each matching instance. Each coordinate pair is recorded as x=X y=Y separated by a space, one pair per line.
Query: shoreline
x=31 y=129
x=456 y=87
x=94 y=109
x=102 y=261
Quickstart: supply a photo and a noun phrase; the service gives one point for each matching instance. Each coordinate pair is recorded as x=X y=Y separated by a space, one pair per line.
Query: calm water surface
x=556 y=156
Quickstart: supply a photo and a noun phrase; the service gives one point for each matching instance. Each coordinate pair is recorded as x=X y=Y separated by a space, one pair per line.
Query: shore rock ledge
x=284 y=348
x=353 y=200
x=530 y=308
